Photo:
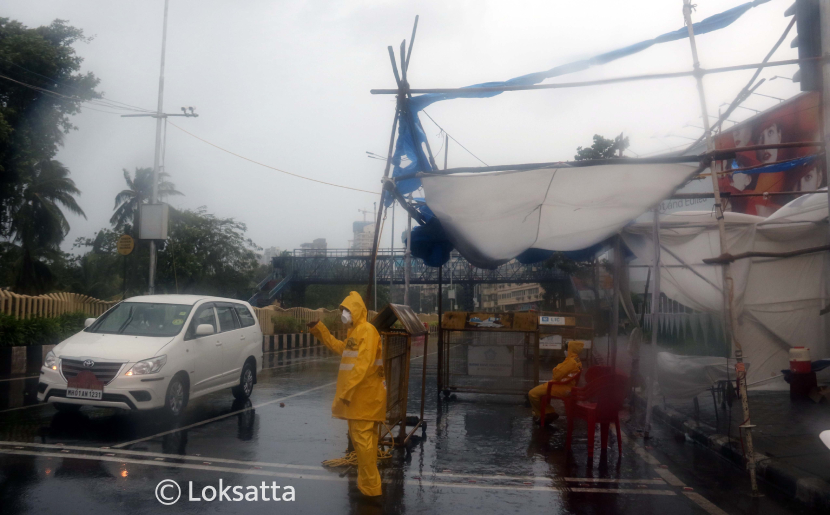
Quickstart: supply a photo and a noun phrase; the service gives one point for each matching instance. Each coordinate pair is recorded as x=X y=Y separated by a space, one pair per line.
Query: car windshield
x=142 y=319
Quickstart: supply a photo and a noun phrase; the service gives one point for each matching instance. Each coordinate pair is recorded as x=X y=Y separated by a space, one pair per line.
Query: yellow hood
x=354 y=303
x=574 y=348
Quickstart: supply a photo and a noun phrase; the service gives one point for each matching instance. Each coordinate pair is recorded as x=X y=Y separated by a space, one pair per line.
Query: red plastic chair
x=598 y=402
x=545 y=402
x=598 y=371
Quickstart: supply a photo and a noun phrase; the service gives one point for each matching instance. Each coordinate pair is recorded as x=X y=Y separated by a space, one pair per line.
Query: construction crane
x=365 y=212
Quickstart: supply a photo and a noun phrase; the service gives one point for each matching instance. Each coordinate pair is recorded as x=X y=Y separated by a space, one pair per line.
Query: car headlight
x=51 y=361
x=148 y=366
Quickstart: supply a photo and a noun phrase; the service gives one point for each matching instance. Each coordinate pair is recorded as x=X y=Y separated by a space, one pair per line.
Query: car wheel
x=246 y=382
x=176 y=398
x=66 y=408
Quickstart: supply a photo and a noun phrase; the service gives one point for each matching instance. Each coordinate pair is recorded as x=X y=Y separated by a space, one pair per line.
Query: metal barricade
x=490 y=353
x=398 y=326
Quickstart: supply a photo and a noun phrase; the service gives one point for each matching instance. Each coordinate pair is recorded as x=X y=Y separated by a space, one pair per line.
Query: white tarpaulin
x=493 y=217
x=777 y=300
x=685 y=377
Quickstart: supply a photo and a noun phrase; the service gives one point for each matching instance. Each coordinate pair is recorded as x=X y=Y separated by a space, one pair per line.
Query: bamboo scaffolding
x=615 y=80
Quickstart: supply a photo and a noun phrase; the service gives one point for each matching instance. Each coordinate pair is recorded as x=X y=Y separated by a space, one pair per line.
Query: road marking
x=669 y=477
x=40 y=404
x=150 y=454
x=300 y=363
x=220 y=417
x=157 y=455
x=609 y=480
x=331 y=477
x=502 y=477
x=191 y=466
x=18 y=379
x=621 y=491
x=704 y=503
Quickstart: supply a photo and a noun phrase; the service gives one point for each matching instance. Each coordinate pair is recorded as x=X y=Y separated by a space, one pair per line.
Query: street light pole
x=159 y=111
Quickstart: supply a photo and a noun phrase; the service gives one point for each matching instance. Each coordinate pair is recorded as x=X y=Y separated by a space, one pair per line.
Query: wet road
x=478 y=453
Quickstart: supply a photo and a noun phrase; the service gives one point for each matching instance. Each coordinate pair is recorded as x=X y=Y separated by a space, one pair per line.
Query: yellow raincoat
x=568 y=368
x=361 y=388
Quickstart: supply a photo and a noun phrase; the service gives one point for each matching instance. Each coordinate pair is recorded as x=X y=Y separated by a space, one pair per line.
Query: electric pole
x=158 y=115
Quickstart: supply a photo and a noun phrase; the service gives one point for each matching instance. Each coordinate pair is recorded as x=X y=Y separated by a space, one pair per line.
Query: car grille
x=104 y=371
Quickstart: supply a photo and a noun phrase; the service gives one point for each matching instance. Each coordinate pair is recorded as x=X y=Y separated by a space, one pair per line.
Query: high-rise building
x=315 y=248
x=364 y=235
x=268 y=254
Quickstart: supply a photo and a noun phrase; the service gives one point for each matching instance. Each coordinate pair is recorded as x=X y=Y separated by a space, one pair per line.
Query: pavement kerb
x=810 y=490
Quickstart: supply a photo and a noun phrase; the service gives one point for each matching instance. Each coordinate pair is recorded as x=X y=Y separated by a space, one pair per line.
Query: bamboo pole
x=655 y=308
x=728 y=283
x=616 y=80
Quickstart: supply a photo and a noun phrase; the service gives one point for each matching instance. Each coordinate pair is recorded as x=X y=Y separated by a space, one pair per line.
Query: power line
x=450 y=135
x=131 y=107
x=59 y=95
x=271 y=167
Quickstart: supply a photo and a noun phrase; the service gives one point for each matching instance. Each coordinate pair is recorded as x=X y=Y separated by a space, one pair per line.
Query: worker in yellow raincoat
x=361 y=387
x=567 y=369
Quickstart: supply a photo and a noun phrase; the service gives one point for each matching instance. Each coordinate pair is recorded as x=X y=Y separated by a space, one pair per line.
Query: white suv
x=156 y=351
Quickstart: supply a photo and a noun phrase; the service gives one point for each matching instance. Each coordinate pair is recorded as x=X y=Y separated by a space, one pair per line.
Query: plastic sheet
x=686 y=377
x=494 y=217
x=776 y=300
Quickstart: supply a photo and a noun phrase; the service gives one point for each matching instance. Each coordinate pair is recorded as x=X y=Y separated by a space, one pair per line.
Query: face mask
x=346 y=317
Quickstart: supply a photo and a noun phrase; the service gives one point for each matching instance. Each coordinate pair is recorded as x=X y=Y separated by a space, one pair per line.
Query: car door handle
x=242 y=337
x=218 y=344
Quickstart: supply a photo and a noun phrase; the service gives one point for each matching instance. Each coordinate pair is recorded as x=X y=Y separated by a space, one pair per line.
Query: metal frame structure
x=398 y=325
x=519 y=323
x=351 y=266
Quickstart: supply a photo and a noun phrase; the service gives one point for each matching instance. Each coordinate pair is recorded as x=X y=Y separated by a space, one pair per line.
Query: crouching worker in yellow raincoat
x=567 y=369
x=361 y=388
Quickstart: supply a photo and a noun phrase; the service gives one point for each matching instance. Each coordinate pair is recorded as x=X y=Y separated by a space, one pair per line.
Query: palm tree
x=139 y=190
x=38 y=224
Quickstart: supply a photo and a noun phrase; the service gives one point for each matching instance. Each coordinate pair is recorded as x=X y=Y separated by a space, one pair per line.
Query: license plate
x=85 y=386
x=84 y=393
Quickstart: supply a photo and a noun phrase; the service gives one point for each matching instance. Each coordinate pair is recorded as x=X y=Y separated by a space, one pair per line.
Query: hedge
x=39 y=331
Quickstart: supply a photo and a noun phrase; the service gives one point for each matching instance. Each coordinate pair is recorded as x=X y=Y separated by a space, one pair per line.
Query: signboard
x=152 y=221
x=795 y=120
x=462 y=320
x=550 y=320
x=552 y=342
x=417 y=346
x=490 y=360
x=489 y=320
x=125 y=245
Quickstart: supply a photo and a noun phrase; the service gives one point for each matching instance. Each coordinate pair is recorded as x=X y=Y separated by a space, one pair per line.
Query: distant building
x=511 y=297
x=364 y=235
x=267 y=254
x=315 y=248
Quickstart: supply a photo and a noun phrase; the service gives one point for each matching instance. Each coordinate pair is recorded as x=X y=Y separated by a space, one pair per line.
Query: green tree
x=207 y=255
x=42 y=89
x=38 y=224
x=602 y=148
x=203 y=255
x=139 y=190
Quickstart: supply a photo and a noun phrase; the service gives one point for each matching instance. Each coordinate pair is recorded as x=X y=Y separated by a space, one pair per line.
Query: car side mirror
x=89 y=321
x=204 y=330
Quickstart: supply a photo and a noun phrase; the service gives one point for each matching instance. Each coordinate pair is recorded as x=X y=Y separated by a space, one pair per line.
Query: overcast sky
x=287 y=83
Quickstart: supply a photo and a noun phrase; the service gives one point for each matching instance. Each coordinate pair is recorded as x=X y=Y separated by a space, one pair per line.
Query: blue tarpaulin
x=411 y=139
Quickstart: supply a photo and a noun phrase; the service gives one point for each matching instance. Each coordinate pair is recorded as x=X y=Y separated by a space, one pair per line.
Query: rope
x=350 y=459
